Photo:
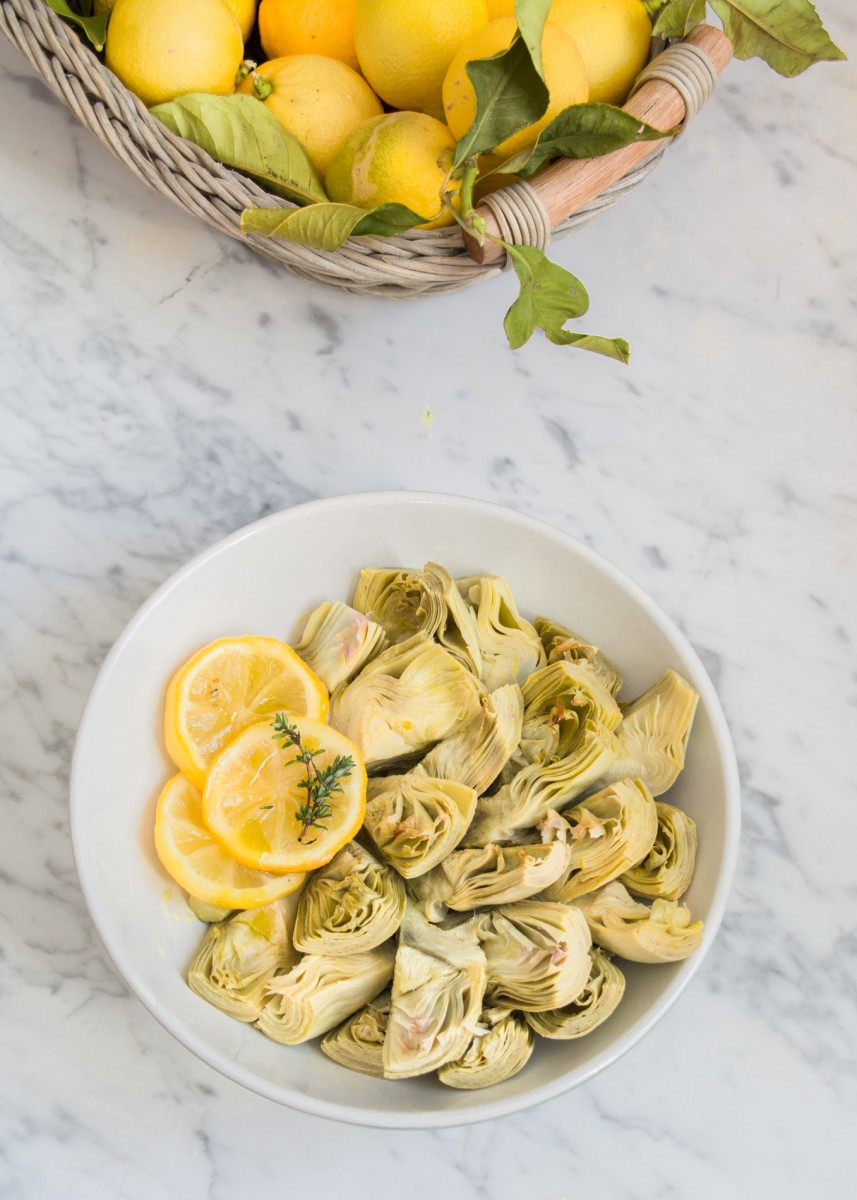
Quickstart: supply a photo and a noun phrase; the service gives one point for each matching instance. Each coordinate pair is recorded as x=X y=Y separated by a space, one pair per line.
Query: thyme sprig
x=320 y=784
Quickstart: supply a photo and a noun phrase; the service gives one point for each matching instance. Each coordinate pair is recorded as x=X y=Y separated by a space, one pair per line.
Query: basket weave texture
x=418 y=262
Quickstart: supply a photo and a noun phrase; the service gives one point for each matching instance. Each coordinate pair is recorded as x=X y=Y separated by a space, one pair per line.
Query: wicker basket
x=418 y=262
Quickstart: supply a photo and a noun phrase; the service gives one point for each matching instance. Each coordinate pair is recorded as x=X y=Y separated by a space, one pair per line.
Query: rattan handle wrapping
x=568 y=185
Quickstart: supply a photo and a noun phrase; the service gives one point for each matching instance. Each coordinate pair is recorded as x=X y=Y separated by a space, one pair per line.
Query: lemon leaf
x=327 y=226
x=510 y=95
x=582 y=131
x=95 y=27
x=531 y=16
x=787 y=34
x=676 y=19
x=549 y=297
x=242 y=133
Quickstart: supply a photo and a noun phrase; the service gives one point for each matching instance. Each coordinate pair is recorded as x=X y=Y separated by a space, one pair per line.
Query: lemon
x=245 y=15
x=319 y=100
x=403 y=158
x=308 y=27
x=161 y=49
x=253 y=794
x=199 y=864
x=228 y=685
x=405 y=46
x=614 y=39
x=564 y=73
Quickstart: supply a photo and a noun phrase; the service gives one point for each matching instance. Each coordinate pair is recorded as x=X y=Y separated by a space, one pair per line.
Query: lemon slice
x=199 y=864
x=252 y=798
x=228 y=685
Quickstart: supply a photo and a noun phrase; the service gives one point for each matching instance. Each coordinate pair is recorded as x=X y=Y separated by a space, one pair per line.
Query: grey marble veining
x=162 y=387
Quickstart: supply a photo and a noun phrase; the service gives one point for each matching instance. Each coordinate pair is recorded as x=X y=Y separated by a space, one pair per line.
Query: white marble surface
x=162 y=386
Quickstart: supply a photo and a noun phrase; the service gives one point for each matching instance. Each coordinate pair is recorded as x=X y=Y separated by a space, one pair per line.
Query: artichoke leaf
x=537 y=789
x=438 y=987
x=321 y=991
x=415 y=821
x=357 y=1044
x=635 y=931
x=650 y=740
x=500 y=1047
x=406 y=699
x=511 y=649
x=609 y=832
x=338 y=641
x=537 y=953
x=240 y=955
x=476 y=754
x=666 y=871
x=502 y=874
x=598 y=1001
x=429 y=893
x=561 y=643
x=353 y=903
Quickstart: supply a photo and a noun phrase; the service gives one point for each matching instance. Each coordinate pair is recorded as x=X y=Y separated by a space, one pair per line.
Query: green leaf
x=549 y=297
x=242 y=133
x=678 y=17
x=787 y=34
x=531 y=16
x=95 y=27
x=582 y=131
x=509 y=96
x=327 y=226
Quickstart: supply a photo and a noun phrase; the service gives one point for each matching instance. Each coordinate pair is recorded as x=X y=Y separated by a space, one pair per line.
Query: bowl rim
x=375 y=1117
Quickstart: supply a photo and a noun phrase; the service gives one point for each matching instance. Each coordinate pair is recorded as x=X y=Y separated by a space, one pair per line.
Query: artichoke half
x=438 y=987
x=537 y=953
x=667 y=869
x=621 y=924
x=598 y=1000
x=651 y=739
x=321 y=991
x=476 y=754
x=354 y=903
x=541 y=787
x=409 y=697
x=338 y=641
x=560 y=643
x=511 y=649
x=501 y=1046
x=240 y=955
x=415 y=821
x=494 y=874
x=358 y=1043
x=609 y=832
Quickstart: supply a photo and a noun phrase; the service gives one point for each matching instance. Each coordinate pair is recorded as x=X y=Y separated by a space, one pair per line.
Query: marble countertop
x=162 y=386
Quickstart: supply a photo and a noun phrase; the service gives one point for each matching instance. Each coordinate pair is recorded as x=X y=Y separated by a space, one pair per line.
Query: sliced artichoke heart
x=476 y=754
x=561 y=643
x=358 y=1043
x=321 y=991
x=667 y=869
x=338 y=641
x=598 y=1001
x=352 y=904
x=511 y=649
x=415 y=821
x=501 y=1046
x=651 y=739
x=537 y=952
x=637 y=932
x=502 y=874
x=438 y=987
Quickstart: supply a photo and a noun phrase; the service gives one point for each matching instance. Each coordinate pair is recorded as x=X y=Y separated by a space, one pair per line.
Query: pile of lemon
x=227 y=827
x=336 y=68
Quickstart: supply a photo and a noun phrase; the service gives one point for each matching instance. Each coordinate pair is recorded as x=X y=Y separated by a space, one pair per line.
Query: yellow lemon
x=565 y=76
x=319 y=100
x=308 y=27
x=500 y=8
x=161 y=49
x=200 y=865
x=406 y=46
x=614 y=39
x=402 y=158
x=245 y=15
x=253 y=798
x=228 y=685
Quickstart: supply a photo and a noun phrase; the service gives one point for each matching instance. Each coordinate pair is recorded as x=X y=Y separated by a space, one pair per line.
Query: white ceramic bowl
x=265 y=579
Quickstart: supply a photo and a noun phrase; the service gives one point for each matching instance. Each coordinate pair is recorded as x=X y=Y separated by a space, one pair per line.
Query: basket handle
x=669 y=91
